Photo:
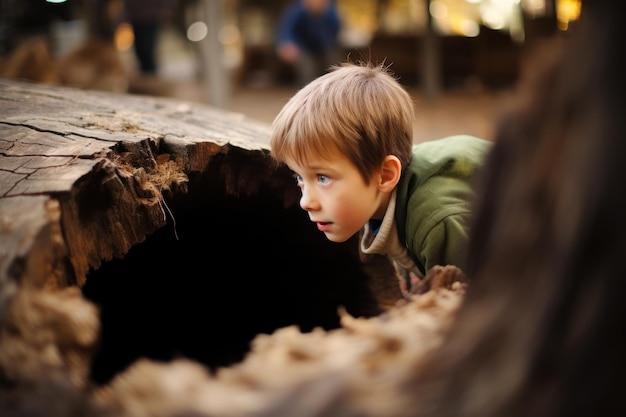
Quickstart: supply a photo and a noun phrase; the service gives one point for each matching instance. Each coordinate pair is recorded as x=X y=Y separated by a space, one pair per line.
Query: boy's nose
x=307 y=201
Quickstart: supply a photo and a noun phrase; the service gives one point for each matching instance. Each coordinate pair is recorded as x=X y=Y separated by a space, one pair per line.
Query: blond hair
x=360 y=110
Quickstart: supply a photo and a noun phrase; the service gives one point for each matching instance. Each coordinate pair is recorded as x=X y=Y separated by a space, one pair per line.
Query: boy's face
x=336 y=196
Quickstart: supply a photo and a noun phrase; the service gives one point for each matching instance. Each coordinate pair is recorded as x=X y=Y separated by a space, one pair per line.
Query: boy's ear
x=390 y=173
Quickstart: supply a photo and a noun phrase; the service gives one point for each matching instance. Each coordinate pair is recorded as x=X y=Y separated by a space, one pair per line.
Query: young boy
x=348 y=137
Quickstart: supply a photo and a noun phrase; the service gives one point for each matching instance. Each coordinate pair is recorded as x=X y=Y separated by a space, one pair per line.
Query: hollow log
x=144 y=238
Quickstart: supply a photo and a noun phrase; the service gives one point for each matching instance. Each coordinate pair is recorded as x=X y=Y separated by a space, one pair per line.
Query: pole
x=431 y=62
x=214 y=72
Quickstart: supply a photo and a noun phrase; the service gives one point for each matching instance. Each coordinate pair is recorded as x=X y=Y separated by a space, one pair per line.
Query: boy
x=348 y=137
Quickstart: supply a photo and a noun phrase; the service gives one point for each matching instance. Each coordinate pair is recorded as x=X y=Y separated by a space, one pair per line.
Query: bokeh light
x=197 y=31
x=124 y=37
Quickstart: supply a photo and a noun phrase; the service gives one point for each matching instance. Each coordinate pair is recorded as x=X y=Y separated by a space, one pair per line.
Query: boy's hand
x=439 y=276
x=288 y=52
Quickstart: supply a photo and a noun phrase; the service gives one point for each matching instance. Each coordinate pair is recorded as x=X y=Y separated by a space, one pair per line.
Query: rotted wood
x=95 y=165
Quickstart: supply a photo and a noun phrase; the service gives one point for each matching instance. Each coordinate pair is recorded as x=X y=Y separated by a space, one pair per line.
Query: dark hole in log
x=229 y=267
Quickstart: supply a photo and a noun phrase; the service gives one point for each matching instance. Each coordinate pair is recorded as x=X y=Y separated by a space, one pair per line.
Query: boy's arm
x=445 y=243
x=436 y=193
x=438 y=221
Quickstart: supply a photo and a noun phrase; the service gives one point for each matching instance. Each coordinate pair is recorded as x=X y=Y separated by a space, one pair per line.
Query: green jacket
x=434 y=198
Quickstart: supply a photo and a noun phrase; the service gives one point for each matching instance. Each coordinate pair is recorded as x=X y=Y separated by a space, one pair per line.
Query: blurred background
x=457 y=58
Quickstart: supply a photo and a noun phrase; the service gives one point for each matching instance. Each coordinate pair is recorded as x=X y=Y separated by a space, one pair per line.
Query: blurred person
x=147 y=18
x=307 y=38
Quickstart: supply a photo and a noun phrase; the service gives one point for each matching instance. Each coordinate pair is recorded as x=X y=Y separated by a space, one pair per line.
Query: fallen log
x=136 y=228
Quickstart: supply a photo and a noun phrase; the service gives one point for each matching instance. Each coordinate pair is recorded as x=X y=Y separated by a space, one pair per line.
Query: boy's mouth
x=323 y=226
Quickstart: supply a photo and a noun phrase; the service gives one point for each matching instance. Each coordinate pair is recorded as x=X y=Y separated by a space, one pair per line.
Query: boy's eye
x=298 y=178
x=323 y=179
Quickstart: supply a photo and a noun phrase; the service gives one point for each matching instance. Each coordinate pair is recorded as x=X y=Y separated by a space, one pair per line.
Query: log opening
x=224 y=269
